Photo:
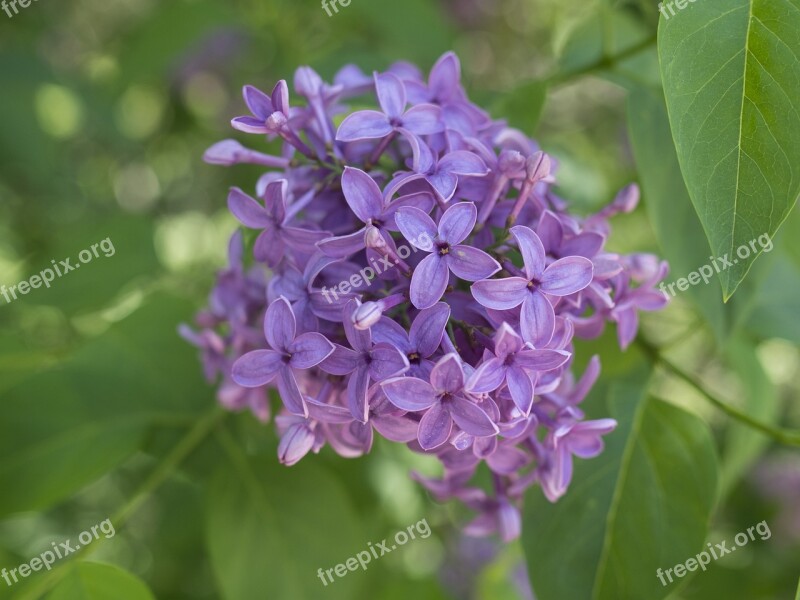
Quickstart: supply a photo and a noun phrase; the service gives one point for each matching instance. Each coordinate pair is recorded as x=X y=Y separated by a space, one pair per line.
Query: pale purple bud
x=510 y=162
x=373 y=238
x=537 y=167
x=367 y=315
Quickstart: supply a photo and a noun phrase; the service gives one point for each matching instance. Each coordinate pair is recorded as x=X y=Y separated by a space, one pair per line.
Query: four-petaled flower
x=270 y=113
x=289 y=352
x=564 y=277
x=448 y=254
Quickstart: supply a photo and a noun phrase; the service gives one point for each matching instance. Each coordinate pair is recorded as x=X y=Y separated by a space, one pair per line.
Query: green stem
x=783 y=436
x=603 y=63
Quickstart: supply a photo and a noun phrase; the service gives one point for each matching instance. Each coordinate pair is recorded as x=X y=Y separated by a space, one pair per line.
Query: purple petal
x=521 y=388
x=567 y=276
x=488 y=377
x=280 y=325
x=445 y=77
x=533 y=254
x=342 y=361
x=309 y=349
x=423 y=119
x=584 y=439
x=390 y=332
x=541 y=360
x=280 y=97
x=342 y=246
x=550 y=231
x=249 y=125
x=500 y=294
x=471 y=264
x=444 y=184
x=362 y=194
x=357 y=387
x=506 y=341
x=537 y=320
x=247 y=210
x=427 y=329
x=258 y=102
x=275 y=199
x=423 y=159
x=303 y=240
x=586 y=244
x=391 y=94
x=290 y=393
x=269 y=248
x=364 y=125
x=387 y=361
x=360 y=339
x=463 y=162
x=328 y=413
x=416 y=226
x=429 y=281
x=472 y=418
x=421 y=200
x=507 y=460
x=448 y=375
x=256 y=368
x=457 y=222
x=555 y=480
x=409 y=393
x=295 y=444
x=396 y=429
x=434 y=427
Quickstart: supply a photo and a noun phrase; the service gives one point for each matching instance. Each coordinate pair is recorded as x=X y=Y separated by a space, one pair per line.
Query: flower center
x=443 y=248
x=414 y=358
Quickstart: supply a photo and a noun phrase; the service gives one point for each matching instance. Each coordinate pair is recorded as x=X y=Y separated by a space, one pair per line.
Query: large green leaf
x=97 y=581
x=667 y=201
x=644 y=504
x=67 y=426
x=270 y=528
x=731 y=73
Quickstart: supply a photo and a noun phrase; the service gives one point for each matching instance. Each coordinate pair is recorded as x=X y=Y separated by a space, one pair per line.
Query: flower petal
x=537 y=319
x=521 y=388
x=387 y=361
x=280 y=325
x=250 y=125
x=488 y=377
x=342 y=361
x=362 y=194
x=309 y=349
x=247 y=210
x=434 y=427
x=448 y=374
x=416 y=226
x=541 y=360
x=357 y=387
x=344 y=245
x=295 y=444
x=445 y=77
x=290 y=392
x=567 y=276
x=471 y=264
x=429 y=281
x=364 y=125
x=427 y=329
x=457 y=222
x=409 y=393
x=472 y=418
x=423 y=119
x=500 y=294
x=258 y=102
x=391 y=94
x=463 y=162
x=256 y=368
x=533 y=254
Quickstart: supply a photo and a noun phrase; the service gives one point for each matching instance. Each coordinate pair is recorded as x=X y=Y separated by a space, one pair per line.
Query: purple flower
x=289 y=352
x=422 y=119
x=563 y=277
x=448 y=254
x=269 y=113
x=443 y=401
x=365 y=362
x=442 y=174
x=517 y=365
x=580 y=439
x=271 y=245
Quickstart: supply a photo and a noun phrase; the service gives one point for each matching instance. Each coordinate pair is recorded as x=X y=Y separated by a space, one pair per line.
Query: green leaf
x=523 y=106
x=67 y=426
x=97 y=581
x=270 y=528
x=667 y=201
x=743 y=445
x=797 y=597
x=731 y=74
x=643 y=504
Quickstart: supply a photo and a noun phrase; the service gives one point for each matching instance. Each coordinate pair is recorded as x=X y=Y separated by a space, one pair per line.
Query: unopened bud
x=537 y=167
x=510 y=162
x=367 y=315
x=373 y=238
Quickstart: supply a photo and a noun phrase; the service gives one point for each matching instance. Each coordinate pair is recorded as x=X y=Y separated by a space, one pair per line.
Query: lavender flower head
x=415 y=275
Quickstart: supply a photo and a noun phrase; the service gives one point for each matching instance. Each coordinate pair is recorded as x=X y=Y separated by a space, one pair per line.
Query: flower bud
x=367 y=315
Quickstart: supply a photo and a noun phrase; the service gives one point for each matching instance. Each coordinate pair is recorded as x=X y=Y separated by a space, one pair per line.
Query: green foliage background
x=106 y=107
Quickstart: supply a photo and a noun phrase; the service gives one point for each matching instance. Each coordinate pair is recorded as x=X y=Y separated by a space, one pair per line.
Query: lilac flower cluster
x=462 y=350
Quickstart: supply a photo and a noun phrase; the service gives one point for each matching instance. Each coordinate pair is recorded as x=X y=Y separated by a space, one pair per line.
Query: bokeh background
x=106 y=107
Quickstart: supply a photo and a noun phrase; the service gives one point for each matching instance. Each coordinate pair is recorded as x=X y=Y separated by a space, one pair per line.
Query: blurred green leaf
x=97 y=581
x=523 y=106
x=270 y=528
x=667 y=202
x=67 y=426
x=643 y=504
x=732 y=82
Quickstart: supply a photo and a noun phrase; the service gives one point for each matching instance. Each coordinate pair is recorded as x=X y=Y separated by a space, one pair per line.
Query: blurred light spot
x=139 y=112
x=205 y=95
x=422 y=557
x=58 y=110
x=101 y=68
x=136 y=187
x=171 y=162
x=190 y=239
x=780 y=359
